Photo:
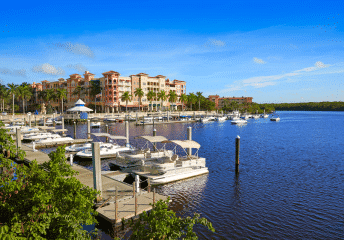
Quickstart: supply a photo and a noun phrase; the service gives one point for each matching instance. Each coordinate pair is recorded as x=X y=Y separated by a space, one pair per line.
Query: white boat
x=105 y=151
x=173 y=168
x=78 y=147
x=223 y=118
x=37 y=136
x=238 y=121
x=55 y=140
x=205 y=119
x=95 y=124
x=22 y=128
x=264 y=115
x=147 y=120
x=245 y=117
x=256 y=116
x=275 y=118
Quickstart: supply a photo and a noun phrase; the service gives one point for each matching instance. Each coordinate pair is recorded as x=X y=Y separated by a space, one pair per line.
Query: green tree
x=172 y=97
x=61 y=94
x=4 y=95
x=162 y=223
x=126 y=97
x=199 y=97
x=151 y=95
x=24 y=92
x=192 y=98
x=13 y=91
x=184 y=99
x=162 y=97
x=139 y=93
x=78 y=91
x=44 y=201
x=50 y=95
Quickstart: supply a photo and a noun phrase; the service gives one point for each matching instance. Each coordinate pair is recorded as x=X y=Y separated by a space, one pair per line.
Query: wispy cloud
x=214 y=42
x=80 y=49
x=15 y=72
x=79 y=67
x=317 y=65
x=258 y=60
x=48 y=69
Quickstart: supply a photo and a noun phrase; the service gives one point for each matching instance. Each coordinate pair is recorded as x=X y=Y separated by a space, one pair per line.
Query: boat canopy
x=152 y=139
x=185 y=143
x=108 y=135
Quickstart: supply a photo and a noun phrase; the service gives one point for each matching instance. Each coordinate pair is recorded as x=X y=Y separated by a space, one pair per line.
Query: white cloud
x=79 y=67
x=80 y=49
x=48 y=69
x=217 y=43
x=258 y=60
x=317 y=65
x=15 y=72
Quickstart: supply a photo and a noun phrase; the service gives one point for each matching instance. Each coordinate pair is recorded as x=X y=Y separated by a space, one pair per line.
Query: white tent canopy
x=152 y=139
x=185 y=143
x=79 y=107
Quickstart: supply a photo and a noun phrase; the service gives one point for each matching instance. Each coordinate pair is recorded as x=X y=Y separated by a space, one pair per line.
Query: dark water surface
x=291 y=180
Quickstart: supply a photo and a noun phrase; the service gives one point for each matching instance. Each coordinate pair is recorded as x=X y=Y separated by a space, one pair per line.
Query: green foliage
x=309 y=106
x=44 y=201
x=162 y=223
x=95 y=87
x=8 y=144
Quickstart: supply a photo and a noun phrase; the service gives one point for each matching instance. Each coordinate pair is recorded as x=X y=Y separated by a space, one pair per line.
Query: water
x=290 y=184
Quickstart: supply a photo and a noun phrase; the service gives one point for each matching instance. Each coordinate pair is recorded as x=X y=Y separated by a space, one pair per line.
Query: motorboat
x=22 y=128
x=78 y=147
x=238 y=121
x=275 y=118
x=95 y=124
x=256 y=116
x=172 y=168
x=39 y=135
x=105 y=151
x=264 y=115
x=147 y=120
x=223 y=118
x=55 y=139
x=245 y=117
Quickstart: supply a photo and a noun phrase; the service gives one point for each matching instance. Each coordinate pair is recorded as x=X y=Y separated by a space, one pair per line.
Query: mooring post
x=71 y=159
x=189 y=137
x=107 y=131
x=153 y=196
x=149 y=185
x=88 y=129
x=35 y=121
x=178 y=116
x=74 y=130
x=134 y=189
x=136 y=204
x=136 y=118
x=18 y=139
x=97 y=177
x=154 y=134
x=62 y=119
x=29 y=120
x=25 y=122
x=43 y=121
x=168 y=116
x=54 y=123
x=127 y=132
x=137 y=183
x=116 y=204
x=34 y=147
x=194 y=116
x=237 y=150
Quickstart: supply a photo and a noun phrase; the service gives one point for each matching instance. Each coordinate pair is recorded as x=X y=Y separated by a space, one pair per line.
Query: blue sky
x=272 y=51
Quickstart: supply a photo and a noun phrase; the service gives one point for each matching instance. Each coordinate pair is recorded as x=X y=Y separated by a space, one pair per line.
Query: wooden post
x=43 y=121
x=189 y=137
x=127 y=131
x=74 y=130
x=136 y=204
x=116 y=205
x=154 y=134
x=137 y=183
x=35 y=121
x=237 y=150
x=107 y=131
x=25 y=122
x=71 y=159
x=136 y=118
x=97 y=177
x=133 y=189
x=153 y=196
x=29 y=120
x=194 y=116
x=149 y=186
x=88 y=129
x=168 y=116
x=62 y=119
x=54 y=123
x=18 y=139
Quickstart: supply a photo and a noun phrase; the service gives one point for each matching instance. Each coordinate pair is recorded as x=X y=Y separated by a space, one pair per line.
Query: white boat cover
x=79 y=109
x=185 y=143
x=153 y=139
x=108 y=135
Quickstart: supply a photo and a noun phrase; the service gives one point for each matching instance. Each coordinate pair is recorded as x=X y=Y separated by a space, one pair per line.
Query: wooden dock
x=164 y=122
x=125 y=197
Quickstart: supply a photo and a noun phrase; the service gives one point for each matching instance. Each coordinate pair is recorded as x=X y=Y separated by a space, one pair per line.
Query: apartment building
x=113 y=85
x=220 y=101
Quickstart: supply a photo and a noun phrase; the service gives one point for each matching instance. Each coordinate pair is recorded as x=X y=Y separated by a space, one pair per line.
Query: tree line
x=309 y=106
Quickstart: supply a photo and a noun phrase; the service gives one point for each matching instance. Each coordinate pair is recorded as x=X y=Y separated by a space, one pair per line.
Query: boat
x=256 y=116
x=95 y=124
x=147 y=120
x=173 y=168
x=245 y=117
x=264 y=115
x=238 y=121
x=275 y=118
x=78 y=147
x=39 y=135
x=223 y=118
x=55 y=139
x=108 y=150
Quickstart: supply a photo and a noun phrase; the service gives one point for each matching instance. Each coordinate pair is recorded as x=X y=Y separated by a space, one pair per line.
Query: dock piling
x=168 y=116
x=18 y=139
x=237 y=150
x=127 y=131
x=136 y=204
x=88 y=129
x=153 y=196
x=137 y=183
x=97 y=177
x=44 y=121
x=189 y=137
x=34 y=147
x=29 y=120
x=149 y=185
x=116 y=204
x=136 y=118
x=35 y=121
x=71 y=159
x=74 y=130
x=62 y=119
x=107 y=131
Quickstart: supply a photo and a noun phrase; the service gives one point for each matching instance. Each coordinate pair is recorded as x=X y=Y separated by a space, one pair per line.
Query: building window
x=144 y=83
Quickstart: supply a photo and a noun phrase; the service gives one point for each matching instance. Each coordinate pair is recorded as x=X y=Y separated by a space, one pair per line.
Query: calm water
x=290 y=184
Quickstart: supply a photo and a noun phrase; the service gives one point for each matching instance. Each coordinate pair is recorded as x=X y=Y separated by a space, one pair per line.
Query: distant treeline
x=310 y=106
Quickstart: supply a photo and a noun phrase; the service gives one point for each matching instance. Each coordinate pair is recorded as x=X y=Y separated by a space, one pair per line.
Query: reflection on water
x=290 y=184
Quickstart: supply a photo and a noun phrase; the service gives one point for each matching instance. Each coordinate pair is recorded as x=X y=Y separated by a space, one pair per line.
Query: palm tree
x=199 y=97
x=126 y=97
x=78 y=90
x=172 y=97
x=61 y=94
x=24 y=92
x=139 y=93
x=13 y=91
x=3 y=96
x=162 y=97
x=192 y=98
x=184 y=99
x=151 y=95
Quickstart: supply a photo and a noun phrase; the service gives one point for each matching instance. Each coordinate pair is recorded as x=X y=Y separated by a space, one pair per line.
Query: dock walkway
x=126 y=201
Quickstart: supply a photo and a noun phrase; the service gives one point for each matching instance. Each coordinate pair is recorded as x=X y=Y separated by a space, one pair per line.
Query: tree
x=24 y=92
x=192 y=99
x=162 y=97
x=126 y=97
x=172 y=97
x=184 y=99
x=151 y=95
x=139 y=93
x=162 y=223
x=13 y=91
x=78 y=91
x=61 y=94
x=199 y=97
x=44 y=201
x=4 y=94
